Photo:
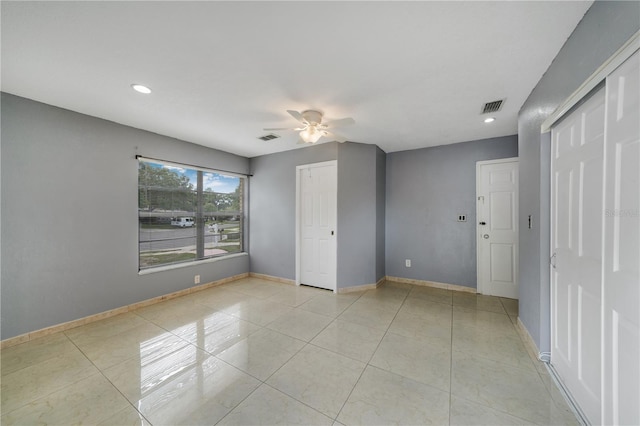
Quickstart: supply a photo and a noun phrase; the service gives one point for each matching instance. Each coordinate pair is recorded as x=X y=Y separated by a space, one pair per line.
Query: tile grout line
x=187 y=344
x=497 y=410
x=535 y=369
x=314 y=345
x=107 y=379
x=367 y=364
x=309 y=343
x=519 y=339
x=451 y=362
x=261 y=327
x=55 y=390
x=238 y=404
x=264 y=382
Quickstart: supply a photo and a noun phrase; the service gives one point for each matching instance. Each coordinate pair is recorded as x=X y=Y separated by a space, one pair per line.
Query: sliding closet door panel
x=577 y=204
x=588 y=255
x=621 y=390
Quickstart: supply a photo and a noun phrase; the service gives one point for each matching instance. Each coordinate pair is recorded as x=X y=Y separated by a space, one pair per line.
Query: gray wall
x=381 y=196
x=69 y=215
x=604 y=28
x=272 y=207
x=272 y=211
x=426 y=191
x=357 y=214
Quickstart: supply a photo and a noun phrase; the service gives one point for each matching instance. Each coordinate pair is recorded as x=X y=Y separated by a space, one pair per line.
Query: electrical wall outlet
x=196 y=279
x=462 y=218
x=407 y=263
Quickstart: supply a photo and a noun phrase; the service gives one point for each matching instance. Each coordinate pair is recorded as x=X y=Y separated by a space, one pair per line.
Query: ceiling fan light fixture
x=311 y=134
x=312 y=128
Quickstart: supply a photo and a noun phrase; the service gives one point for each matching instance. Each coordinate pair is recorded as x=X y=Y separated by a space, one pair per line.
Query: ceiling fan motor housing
x=312 y=117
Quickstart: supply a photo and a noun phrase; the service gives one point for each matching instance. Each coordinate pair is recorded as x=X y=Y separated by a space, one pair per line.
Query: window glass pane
x=171 y=214
x=223 y=213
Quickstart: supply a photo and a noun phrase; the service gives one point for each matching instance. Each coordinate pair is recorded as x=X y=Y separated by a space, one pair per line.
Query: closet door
x=621 y=391
x=576 y=275
x=316 y=221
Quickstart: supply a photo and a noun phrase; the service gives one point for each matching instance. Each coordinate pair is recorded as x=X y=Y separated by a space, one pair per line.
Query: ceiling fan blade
x=333 y=137
x=297 y=116
x=340 y=122
x=293 y=129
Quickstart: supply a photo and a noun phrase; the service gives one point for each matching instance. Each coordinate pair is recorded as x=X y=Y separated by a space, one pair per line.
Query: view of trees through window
x=186 y=214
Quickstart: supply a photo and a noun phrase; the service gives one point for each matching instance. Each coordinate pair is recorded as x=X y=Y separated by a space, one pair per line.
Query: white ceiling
x=412 y=74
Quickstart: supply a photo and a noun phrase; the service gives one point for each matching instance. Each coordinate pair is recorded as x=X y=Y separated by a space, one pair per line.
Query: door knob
x=485 y=236
x=483 y=223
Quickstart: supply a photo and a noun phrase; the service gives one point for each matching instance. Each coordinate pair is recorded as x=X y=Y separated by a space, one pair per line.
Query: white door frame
x=299 y=221
x=479 y=164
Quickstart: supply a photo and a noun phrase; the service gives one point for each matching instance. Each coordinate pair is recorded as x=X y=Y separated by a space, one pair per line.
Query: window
x=186 y=214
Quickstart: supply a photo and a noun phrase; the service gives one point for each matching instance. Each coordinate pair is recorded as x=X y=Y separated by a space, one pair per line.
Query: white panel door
x=576 y=232
x=497 y=214
x=317 y=216
x=621 y=391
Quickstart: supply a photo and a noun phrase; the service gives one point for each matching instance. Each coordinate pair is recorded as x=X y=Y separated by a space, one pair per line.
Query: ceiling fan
x=313 y=128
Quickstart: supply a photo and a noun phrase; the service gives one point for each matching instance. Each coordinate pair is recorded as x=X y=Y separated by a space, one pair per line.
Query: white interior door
x=316 y=224
x=577 y=149
x=621 y=390
x=497 y=216
x=595 y=238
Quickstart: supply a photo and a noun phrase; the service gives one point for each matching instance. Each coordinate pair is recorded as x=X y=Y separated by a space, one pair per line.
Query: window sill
x=190 y=264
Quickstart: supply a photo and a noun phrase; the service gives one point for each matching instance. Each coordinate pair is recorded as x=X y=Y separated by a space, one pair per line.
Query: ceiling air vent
x=492 y=106
x=268 y=137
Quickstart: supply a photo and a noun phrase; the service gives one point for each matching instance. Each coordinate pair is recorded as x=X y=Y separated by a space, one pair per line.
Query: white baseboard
x=434 y=284
x=362 y=287
x=528 y=341
x=340 y=290
x=272 y=278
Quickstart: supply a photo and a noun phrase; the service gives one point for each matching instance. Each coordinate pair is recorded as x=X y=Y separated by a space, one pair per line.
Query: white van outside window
x=182 y=222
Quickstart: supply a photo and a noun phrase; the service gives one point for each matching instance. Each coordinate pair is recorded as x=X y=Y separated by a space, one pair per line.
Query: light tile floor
x=258 y=352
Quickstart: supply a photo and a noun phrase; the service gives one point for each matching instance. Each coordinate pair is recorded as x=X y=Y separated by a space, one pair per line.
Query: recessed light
x=489 y=120
x=140 y=88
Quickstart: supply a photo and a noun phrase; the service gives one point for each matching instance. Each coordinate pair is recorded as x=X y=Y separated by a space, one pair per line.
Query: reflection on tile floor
x=259 y=352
